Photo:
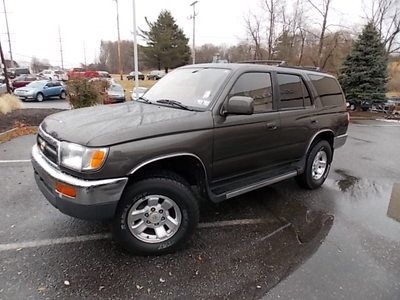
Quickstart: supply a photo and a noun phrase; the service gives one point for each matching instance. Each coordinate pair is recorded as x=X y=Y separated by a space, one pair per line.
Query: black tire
x=306 y=179
x=165 y=184
x=63 y=95
x=39 y=97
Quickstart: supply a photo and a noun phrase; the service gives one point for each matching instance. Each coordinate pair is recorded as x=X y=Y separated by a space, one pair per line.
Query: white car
x=138 y=92
x=54 y=75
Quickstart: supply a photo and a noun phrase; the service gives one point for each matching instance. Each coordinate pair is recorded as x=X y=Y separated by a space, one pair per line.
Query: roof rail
x=265 y=62
x=280 y=63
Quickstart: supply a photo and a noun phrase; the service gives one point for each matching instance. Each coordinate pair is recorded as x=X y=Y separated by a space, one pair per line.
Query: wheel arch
x=187 y=165
x=324 y=134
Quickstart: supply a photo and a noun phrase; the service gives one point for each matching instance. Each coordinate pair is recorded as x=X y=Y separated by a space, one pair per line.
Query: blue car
x=40 y=90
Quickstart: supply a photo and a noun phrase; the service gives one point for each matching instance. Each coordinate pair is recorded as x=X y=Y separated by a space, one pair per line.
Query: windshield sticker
x=206 y=94
x=203 y=102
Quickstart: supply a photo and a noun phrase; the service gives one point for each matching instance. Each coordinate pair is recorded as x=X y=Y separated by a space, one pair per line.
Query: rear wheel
x=318 y=164
x=156 y=215
x=63 y=95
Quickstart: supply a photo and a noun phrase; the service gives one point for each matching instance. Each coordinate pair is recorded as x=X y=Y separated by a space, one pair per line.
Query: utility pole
x=61 y=48
x=194 y=29
x=119 y=44
x=8 y=34
x=84 y=53
x=3 y=61
x=135 y=47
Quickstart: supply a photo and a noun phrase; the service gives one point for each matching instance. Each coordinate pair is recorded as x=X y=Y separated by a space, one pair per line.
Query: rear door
x=245 y=143
x=297 y=112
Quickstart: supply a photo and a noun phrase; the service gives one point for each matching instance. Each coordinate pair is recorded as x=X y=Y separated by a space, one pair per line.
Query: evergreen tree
x=167 y=45
x=364 y=72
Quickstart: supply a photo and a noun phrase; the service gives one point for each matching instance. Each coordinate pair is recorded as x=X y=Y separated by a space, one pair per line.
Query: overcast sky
x=34 y=23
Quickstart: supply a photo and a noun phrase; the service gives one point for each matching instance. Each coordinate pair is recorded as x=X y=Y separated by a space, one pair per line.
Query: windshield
x=116 y=89
x=36 y=84
x=193 y=87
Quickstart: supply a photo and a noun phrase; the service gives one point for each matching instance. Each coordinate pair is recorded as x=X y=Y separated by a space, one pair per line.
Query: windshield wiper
x=143 y=99
x=173 y=103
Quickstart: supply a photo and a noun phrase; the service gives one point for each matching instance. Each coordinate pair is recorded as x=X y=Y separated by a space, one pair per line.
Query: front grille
x=48 y=146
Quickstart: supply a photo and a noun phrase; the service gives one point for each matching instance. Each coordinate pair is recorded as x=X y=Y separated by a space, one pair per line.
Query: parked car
x=155 y=75
x=138 y=92
x=51 y=75
x=22 y=81
x=82 y=73
x=131 y=76
x=40 y=90
x=116 y=94
x=15 y=72
x=206 y=131
x=104 y=74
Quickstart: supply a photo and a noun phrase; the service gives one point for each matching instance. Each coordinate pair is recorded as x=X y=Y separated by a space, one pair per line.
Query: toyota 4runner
x=207 y=131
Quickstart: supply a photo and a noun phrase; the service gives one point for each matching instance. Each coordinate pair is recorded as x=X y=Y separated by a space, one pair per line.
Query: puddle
x=394 y=205
x=347 y=182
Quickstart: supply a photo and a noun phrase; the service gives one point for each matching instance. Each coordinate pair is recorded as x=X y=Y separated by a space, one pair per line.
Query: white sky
x=34 y=23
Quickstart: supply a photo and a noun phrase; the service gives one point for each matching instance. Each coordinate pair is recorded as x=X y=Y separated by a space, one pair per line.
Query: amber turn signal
x=65 y=189
x=97 y=159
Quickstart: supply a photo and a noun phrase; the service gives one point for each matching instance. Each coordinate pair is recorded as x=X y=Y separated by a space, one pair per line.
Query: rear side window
x=294 y=93
x=328 y=90
x=255 y=85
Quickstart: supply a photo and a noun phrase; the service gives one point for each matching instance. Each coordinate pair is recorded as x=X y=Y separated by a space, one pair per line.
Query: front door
x=245 y=143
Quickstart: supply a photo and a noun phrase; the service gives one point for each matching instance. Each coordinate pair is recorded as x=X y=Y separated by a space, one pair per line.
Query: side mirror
x=240 y=105
x=45 y=87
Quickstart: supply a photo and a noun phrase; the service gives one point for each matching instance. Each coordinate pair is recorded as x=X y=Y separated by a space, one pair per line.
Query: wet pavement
x=341 y=241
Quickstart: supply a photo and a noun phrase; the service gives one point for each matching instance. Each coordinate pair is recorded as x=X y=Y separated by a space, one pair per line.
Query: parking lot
x=281 y=241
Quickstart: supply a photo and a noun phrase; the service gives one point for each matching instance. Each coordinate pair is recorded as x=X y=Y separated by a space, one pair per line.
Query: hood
x=106 y=125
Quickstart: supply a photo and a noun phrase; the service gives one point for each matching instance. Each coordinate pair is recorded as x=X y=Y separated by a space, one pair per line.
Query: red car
x=81 y=73
x=22 y=81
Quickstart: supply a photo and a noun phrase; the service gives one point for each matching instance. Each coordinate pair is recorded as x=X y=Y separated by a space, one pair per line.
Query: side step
x=233 y=188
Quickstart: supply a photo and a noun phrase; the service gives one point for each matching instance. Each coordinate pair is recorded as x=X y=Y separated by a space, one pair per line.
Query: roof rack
x=310 y=68
x=280 y=63
x=265 y=62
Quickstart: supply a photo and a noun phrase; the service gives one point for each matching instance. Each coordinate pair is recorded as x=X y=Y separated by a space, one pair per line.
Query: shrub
x=83 y=92
x=8 y=103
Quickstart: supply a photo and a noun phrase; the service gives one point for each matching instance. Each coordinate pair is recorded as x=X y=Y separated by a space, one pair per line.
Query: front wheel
x=156 y=215
x=39 y=97
x=317 y=167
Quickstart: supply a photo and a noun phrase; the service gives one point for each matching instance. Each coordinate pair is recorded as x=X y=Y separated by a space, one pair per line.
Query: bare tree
x=322 y=8
x=385 y=14
x=271 y=7
x=253 y=27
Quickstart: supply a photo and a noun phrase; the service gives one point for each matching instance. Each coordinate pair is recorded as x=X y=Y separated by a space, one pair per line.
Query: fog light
x=66 y=190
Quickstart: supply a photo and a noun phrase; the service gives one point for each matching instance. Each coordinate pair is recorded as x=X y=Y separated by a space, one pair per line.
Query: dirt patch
x=367 y=115
x=24 y=118
x=18 y=131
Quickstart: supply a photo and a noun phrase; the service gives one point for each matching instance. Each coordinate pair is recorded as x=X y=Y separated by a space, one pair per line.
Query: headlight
x=82 y=158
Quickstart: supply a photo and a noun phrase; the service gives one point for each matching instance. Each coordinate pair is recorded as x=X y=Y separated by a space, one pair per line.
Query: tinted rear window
x=328 y=89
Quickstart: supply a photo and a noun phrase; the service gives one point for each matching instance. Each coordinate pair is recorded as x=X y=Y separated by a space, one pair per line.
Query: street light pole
x=119 y=44
x=194 y=30
x=135 y=48
x=8 y=35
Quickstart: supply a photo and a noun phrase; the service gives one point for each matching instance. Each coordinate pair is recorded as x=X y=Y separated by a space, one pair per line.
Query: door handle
x=272 y=126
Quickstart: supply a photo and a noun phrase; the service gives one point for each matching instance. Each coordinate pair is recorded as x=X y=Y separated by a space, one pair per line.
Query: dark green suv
x=212 y=131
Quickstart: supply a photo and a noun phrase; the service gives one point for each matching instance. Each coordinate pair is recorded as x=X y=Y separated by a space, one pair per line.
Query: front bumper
x=95 y=199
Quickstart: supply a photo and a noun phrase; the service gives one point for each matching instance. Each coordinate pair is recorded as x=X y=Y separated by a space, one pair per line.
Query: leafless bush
x=8 y=103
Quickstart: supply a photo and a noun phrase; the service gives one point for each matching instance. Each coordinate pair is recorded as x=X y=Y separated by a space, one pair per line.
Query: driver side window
x=257 y=86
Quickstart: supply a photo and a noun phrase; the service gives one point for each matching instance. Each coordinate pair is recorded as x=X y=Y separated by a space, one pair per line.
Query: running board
x=260 y=184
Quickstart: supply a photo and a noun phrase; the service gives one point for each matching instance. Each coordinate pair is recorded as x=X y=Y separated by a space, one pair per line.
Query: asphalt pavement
x=279 y=242
x=48 y=103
